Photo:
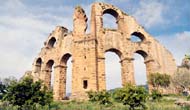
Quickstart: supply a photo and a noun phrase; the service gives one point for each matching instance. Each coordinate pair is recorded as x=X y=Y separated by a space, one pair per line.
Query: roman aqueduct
x=88 y=52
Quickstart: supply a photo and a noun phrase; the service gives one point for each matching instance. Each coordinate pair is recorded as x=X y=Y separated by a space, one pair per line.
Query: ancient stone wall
x=88 y=52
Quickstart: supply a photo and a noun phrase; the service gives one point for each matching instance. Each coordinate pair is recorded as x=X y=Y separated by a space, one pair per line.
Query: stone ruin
x=88 y=52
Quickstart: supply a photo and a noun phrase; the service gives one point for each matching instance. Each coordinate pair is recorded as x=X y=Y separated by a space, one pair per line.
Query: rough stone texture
x=88 y=52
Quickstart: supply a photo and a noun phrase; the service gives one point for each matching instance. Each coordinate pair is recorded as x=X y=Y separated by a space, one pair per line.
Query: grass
x=166 y=103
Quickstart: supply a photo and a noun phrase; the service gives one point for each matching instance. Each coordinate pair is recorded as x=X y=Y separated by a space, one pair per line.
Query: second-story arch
x=51 y=42
x=99 y=10
x=137 y=37
x=110 y=19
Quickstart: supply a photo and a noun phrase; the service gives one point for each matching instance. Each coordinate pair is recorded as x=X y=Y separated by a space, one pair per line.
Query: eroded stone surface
x=88 y=52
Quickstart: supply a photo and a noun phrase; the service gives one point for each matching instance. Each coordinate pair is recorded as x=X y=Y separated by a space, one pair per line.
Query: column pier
x=101 y=74
x=150 y=68
x=127 y=71
x=45 y=76
x=59 y=88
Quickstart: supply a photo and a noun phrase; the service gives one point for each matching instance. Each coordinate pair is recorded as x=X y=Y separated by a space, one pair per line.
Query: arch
x=143 y=66
x=51 y=42
x=38 y=65
x=112 y=12
x=108 y=19
x=66 y=61
x=39 y=61
x=49 y=77
x=65 y=58
x=143 y=53
x=140 y=71
x=113 y=69
x=116 y=51
x=137 y=37
x=49 y=64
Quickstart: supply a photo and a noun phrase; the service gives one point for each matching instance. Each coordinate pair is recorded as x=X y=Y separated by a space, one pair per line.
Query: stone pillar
x=45 y=76
x=150 y=68
x=37 y=68
x=59 y=88
x=36 y=72
x=101 y=74
x=127 y=70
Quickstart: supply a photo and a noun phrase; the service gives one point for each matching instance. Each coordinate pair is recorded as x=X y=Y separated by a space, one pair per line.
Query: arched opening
x=137 y=37
x=113 y=69
x=51 y=42
x=38 y=65
x=67 y=62
x=140 y=68
x=110 y=17
x=50 y=68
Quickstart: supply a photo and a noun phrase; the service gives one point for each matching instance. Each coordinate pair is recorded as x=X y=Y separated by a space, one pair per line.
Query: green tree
x=4 y=83
x=10 y=80
x=27 y=93
x=157 y=79
x=133 y=96
x=2 y=90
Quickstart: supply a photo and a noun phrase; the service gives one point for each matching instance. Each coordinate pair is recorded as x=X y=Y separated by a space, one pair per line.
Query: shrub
x=156 y=95
x=102 y=97
x=92 y=96
x=131 y=95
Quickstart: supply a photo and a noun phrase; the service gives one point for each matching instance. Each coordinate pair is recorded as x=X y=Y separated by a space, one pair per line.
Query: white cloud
x=149 y=13
x=22 y=35
x=12 y=5
x=184 y=36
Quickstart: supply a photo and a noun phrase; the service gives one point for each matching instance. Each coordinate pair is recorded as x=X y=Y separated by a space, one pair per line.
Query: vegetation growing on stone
x=157 y=79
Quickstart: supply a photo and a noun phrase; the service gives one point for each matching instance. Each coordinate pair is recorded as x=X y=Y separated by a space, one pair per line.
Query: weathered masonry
x=87 y=52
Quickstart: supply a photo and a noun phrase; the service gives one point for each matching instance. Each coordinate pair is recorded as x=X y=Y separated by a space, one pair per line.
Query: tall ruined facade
x=88 y=52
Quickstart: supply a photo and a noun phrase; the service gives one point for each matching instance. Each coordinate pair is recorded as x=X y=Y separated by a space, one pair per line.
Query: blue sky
x=25 y=24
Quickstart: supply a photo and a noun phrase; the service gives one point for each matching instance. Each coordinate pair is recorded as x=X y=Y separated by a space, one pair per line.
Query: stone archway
x=47 y=73
x=60 y=77
x=143 y=74
x=38 y=65
x=113 y=75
